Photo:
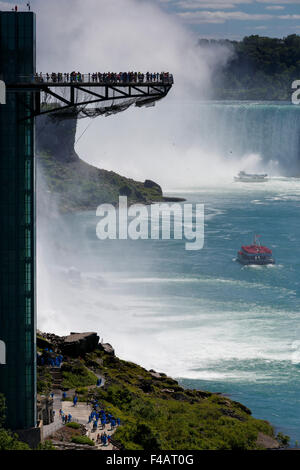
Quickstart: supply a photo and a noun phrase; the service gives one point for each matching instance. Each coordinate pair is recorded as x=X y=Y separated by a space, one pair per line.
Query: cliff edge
x=75 y=184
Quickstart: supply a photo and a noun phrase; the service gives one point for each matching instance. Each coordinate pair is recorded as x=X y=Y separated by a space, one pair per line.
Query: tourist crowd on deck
x=117 y=78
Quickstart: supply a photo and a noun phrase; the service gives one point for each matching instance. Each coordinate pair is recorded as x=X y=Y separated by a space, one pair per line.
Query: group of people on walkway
x=66 y=418
x=104 y=419
x=104 y=439
x=99 y=418
x=49 y=358
x=109 y=77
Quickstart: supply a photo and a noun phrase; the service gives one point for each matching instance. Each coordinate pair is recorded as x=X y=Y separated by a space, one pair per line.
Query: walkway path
x=80 y=414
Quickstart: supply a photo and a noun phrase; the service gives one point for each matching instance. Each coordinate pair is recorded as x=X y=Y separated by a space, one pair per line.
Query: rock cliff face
x=74 y=184
x=73 y=345
x=56 y=137
x=77 y=344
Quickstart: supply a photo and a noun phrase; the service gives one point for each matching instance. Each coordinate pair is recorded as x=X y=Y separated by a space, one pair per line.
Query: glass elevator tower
x=17 y=221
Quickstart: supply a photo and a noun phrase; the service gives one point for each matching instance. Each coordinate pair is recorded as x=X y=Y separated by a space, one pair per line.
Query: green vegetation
x=8 y=440
x=44 y=381
x=260 y=68
x=157 y=413
x=83 y=440
x=81 y=186
x=283 y=439
x=46 y=445
x=76 y=374
x=73 y=425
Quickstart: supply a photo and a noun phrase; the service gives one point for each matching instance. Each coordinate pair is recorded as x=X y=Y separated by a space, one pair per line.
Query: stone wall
x=45 y=409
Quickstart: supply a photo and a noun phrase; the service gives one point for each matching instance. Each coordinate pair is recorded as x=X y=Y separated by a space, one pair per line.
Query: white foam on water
x=189 y=336
x=147 y=328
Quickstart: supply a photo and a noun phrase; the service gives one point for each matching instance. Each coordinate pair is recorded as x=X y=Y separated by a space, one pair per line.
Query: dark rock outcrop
x=229 y=412
x=50 y=341
x=43 y=343
x=74 y=345
x=78 y=344
x=106 y=347
x=243 y=407
x=57 y=137
x=151 y=184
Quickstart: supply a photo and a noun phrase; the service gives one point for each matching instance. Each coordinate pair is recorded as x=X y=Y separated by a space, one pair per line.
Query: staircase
x=57 y=377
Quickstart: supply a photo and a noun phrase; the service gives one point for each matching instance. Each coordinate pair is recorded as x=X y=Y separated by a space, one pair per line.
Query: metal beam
x=90 y=92
x=60 y=98
x=146 y=92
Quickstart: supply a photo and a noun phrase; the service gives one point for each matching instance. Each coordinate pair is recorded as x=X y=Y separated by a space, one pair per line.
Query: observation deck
x=92 y=94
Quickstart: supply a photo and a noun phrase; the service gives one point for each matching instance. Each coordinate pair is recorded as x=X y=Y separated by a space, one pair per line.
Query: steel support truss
x=68 y=97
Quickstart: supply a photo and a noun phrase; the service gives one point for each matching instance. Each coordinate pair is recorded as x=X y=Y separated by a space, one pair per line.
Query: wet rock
x=106 y=347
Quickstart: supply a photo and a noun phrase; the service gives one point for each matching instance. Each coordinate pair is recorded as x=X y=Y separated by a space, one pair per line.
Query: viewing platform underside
x=91 y=95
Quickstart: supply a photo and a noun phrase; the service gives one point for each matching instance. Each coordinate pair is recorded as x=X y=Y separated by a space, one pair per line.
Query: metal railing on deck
x=126 y=78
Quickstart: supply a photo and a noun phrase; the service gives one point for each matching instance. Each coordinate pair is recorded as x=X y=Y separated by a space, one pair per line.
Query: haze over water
x=199 y=316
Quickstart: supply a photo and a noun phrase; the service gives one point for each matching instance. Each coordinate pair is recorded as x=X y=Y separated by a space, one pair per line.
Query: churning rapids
x=199 y=316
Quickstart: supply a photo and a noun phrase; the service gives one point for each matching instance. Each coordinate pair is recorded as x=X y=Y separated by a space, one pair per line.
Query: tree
x=8 y=441
x=258 y=68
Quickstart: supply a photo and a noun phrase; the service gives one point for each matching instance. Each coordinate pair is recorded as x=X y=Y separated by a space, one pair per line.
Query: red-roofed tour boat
x=255 y=254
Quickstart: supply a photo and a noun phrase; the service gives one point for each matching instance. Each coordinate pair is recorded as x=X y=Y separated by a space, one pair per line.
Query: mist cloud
x=121 y=35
